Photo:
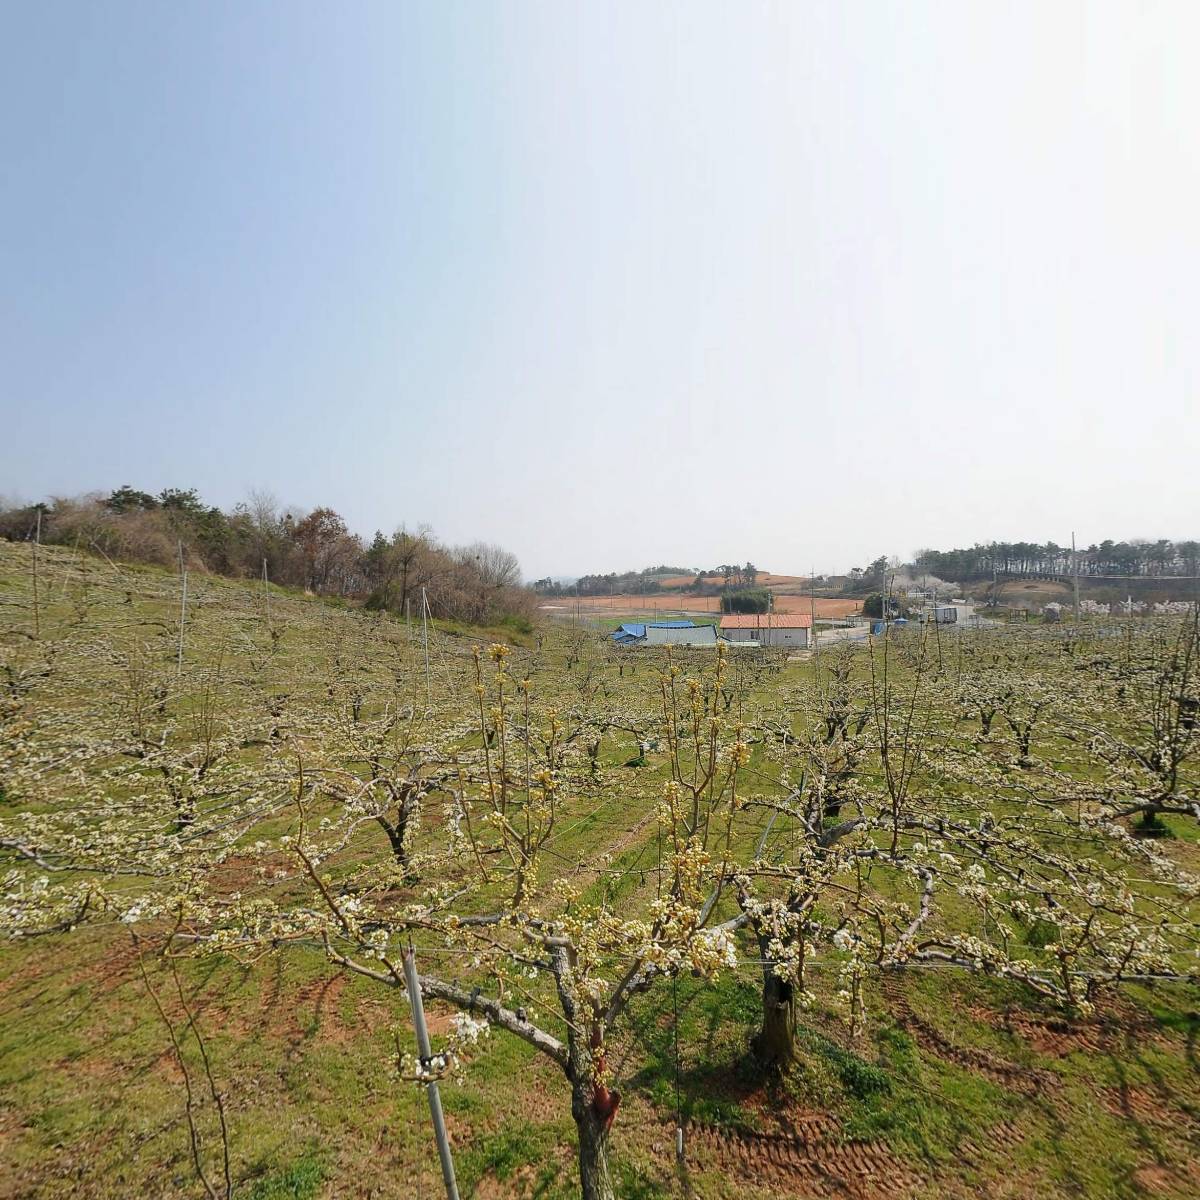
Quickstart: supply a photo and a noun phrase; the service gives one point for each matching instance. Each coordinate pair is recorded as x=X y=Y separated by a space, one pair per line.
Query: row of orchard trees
x=921 y=802
x=1138 y=558
x=650 y=579
x=314 y=549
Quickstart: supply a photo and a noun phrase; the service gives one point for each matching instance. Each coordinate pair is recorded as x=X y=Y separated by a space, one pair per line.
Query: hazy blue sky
x=612 y=284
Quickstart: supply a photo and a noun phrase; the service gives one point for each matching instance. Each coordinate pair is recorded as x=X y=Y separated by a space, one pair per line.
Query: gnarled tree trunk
x=395 y=835
x=595 y=1182
x=593 y=1104
x=775 y=1043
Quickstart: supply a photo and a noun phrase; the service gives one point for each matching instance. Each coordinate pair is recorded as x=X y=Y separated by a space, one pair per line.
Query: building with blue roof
x=629 y=633
x=665 y=633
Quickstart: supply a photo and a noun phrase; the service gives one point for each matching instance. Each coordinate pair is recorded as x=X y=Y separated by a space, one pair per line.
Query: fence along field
x=908 y=918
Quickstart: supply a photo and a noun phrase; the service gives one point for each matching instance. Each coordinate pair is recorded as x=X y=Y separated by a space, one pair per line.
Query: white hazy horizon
x=613 y=285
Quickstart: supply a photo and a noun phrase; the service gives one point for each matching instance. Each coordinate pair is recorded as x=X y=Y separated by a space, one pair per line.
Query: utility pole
x=182 y=611
x=266 y=594
x=425 y=635
x=812 y=616
x=1075 y=571
x=37 y=541
x=435 y=1100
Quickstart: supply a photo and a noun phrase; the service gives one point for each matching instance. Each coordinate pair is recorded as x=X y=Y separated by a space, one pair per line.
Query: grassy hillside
x=957 y=1085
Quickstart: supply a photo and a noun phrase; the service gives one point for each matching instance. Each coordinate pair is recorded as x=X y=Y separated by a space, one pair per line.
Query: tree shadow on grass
x=713 y=1070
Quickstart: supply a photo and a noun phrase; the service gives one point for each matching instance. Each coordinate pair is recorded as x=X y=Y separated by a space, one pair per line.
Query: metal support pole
x=435 y=1099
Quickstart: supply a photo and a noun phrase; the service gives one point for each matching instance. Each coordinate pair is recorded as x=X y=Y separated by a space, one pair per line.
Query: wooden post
x=435 y=1100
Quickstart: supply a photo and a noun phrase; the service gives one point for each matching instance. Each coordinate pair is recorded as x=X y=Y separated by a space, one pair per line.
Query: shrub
x=747 y=600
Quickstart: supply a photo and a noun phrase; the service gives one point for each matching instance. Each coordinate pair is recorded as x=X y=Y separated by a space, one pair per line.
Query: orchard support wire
x=675 y=1034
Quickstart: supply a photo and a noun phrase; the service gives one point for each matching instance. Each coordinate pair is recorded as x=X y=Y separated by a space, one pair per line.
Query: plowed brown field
x=622 y=604
x=674 y=582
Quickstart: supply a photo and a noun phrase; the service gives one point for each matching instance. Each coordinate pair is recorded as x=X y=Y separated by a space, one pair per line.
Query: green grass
x=315 y=1107
x=300 y=1181
x=514 y=1149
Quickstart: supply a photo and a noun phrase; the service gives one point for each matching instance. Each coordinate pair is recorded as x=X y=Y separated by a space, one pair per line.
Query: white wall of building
x=787 y=637
x=741 y=635
x=954 y=614
x=768 y=637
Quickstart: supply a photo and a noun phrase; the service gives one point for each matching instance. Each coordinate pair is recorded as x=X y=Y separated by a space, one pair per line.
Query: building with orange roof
x=767 y=629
